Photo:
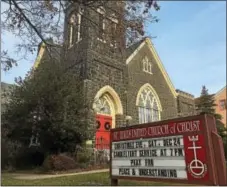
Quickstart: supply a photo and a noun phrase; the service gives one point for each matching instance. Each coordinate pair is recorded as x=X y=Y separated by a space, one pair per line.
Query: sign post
x=184 y=150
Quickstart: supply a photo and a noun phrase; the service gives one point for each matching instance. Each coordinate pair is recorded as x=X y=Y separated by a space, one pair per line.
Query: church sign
x=186 y=150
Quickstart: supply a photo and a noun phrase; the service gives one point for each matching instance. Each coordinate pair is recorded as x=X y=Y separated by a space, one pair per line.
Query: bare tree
x=36 y=21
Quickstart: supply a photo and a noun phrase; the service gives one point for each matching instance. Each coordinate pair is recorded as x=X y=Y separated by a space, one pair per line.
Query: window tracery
x=103 y=106
x=147 y=65
x=148 y=106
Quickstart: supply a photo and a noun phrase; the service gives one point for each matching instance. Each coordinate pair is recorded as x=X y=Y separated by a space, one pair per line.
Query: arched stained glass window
x=103 y=106
x=148 y=108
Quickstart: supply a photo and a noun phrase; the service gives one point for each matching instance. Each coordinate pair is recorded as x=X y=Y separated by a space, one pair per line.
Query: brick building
x=121 y=86
x=221 y=105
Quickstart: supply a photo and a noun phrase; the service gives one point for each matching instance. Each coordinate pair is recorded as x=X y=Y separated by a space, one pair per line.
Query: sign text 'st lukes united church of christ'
x=169 y=150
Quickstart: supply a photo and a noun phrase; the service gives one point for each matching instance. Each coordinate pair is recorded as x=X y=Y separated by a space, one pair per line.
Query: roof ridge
x=218 y=92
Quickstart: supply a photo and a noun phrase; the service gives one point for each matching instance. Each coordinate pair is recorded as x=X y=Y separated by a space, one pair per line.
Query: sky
x=190 y=40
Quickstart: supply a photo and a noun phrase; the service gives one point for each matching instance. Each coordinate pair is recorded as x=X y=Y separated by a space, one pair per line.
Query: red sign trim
x=202 y=129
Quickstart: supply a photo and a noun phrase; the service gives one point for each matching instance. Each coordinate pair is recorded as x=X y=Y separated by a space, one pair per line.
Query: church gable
x=146 y=61
x=145 y=68
x=47 y=52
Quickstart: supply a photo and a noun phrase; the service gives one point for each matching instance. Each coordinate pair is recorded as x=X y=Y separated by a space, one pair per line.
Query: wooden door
x=103 y=126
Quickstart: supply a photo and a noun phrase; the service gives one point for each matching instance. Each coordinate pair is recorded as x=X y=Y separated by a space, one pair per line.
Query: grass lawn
x=96 y=179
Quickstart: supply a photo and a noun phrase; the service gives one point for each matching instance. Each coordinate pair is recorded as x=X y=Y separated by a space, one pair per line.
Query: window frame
x=101 y=24
x=148 y=114
x=222 y=104
x=76 y=24
x=113 y=24
x=147 y=65
x=71 y=29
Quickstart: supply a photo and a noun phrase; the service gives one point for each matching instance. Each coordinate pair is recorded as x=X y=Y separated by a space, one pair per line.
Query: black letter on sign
x=133 y=172
x=163 y=152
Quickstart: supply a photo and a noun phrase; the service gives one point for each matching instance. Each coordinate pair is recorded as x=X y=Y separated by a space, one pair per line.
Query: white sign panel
x=152 y=157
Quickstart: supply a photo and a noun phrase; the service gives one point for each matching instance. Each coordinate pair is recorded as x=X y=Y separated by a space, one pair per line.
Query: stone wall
x=185 y=104
x=99 y=65
x=102 y=72
x=96 y=62
x=137 y=78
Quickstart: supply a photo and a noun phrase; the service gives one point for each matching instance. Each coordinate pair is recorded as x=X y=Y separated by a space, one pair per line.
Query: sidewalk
x=45 y=176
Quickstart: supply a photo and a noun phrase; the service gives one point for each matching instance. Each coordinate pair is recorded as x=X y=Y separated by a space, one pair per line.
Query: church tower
x=94 y=50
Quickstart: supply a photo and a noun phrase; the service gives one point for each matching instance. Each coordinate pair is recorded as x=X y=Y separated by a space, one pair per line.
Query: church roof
x=133 y=47
x=220 y=91
x=56 y=52
x=138 y=46
x=52 y=52
x=184 y=94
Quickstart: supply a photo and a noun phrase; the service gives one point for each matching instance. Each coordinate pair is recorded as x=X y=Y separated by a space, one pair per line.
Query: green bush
x=59 y=162
x=5 y=157
x=102 y=157
x=16 y=156
x=29 y=158
x=48 y=163
x=9 y=151
x=84 y=155
x=222 y=131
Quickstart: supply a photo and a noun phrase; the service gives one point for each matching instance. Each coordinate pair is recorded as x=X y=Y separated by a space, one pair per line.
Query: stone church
x=122 y=88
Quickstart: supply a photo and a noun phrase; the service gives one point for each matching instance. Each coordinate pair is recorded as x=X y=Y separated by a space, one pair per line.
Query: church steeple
x=92 y=38
x=94 y=23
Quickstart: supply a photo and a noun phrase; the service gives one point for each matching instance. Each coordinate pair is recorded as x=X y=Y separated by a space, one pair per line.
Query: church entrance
x=102 y=136
x=106 y=105
x=104 y=122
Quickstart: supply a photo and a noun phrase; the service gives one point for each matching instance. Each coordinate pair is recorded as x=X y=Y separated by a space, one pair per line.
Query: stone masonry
x=98 y=64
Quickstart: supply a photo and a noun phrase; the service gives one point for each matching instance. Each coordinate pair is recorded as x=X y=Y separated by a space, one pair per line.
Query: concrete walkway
x=46 y=176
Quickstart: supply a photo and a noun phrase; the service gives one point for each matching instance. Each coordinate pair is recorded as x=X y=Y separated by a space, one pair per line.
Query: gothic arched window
x=148 y=104
x=147 y=66
x=75 y=27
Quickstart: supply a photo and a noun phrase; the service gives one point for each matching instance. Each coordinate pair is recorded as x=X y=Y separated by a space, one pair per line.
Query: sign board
x=179 y=150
